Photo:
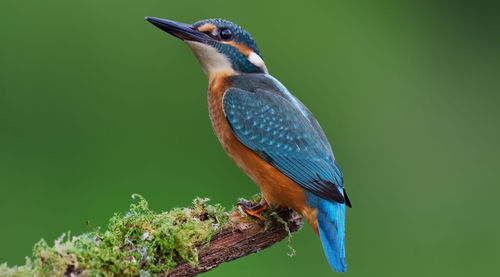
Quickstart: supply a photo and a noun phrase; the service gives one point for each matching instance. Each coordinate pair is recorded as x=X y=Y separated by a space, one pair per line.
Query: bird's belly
x=277 y=189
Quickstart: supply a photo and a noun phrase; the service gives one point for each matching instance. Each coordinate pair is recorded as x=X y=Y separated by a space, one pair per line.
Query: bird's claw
x=253 y=210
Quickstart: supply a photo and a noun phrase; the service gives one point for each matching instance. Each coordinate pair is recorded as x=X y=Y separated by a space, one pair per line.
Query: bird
x=267 y=131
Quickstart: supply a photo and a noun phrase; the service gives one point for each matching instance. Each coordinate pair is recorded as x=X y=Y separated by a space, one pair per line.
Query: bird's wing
x=282 y=132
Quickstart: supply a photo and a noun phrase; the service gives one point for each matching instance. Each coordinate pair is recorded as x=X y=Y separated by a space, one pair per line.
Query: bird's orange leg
x=254 y=210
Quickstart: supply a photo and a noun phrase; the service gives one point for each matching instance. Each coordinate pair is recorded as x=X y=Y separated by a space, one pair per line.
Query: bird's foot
x=253 y=210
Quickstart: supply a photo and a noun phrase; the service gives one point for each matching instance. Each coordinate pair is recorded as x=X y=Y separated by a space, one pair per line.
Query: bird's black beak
x=180 y=30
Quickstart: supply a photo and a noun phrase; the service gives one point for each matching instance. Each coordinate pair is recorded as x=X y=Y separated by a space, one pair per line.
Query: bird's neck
x=218 y=83
x=216 y=88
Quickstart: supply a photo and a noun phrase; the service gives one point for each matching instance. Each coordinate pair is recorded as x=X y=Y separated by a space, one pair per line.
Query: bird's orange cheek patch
x=242 y=48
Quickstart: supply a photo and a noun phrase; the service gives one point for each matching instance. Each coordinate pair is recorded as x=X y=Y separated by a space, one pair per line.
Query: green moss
x=17 y=271
x=289 y=237
x=139 y=242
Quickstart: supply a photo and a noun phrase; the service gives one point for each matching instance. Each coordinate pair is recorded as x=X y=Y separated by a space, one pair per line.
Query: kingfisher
x=267 y=131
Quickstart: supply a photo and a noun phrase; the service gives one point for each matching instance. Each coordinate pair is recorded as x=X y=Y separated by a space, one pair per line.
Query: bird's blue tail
x=331 y=218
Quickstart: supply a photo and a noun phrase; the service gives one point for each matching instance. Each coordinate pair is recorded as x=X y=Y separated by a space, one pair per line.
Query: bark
x=240 y=238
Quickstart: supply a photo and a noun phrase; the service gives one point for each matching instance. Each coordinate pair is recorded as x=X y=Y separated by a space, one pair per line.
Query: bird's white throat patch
x=212 y=62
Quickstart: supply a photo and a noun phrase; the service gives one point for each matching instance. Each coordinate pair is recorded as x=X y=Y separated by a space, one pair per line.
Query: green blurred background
x=97 y=104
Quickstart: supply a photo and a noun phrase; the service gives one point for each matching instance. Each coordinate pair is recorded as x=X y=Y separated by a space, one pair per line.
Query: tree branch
x=240 y=238
x=182 y=242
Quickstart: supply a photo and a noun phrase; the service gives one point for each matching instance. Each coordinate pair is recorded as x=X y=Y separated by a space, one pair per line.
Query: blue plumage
x=266 y=118
x=331 y=218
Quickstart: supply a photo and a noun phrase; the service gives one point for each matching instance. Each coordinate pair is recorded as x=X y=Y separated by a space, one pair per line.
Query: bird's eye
x=226 y=34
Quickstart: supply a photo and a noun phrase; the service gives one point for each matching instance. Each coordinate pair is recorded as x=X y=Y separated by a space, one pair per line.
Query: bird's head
x=220 y=46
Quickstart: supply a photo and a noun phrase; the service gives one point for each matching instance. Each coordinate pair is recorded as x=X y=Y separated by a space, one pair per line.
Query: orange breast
x=277 y=189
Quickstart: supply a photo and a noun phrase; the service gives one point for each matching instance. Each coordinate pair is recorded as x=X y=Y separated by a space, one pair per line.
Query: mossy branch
x=238 y=239
x=181 y=242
